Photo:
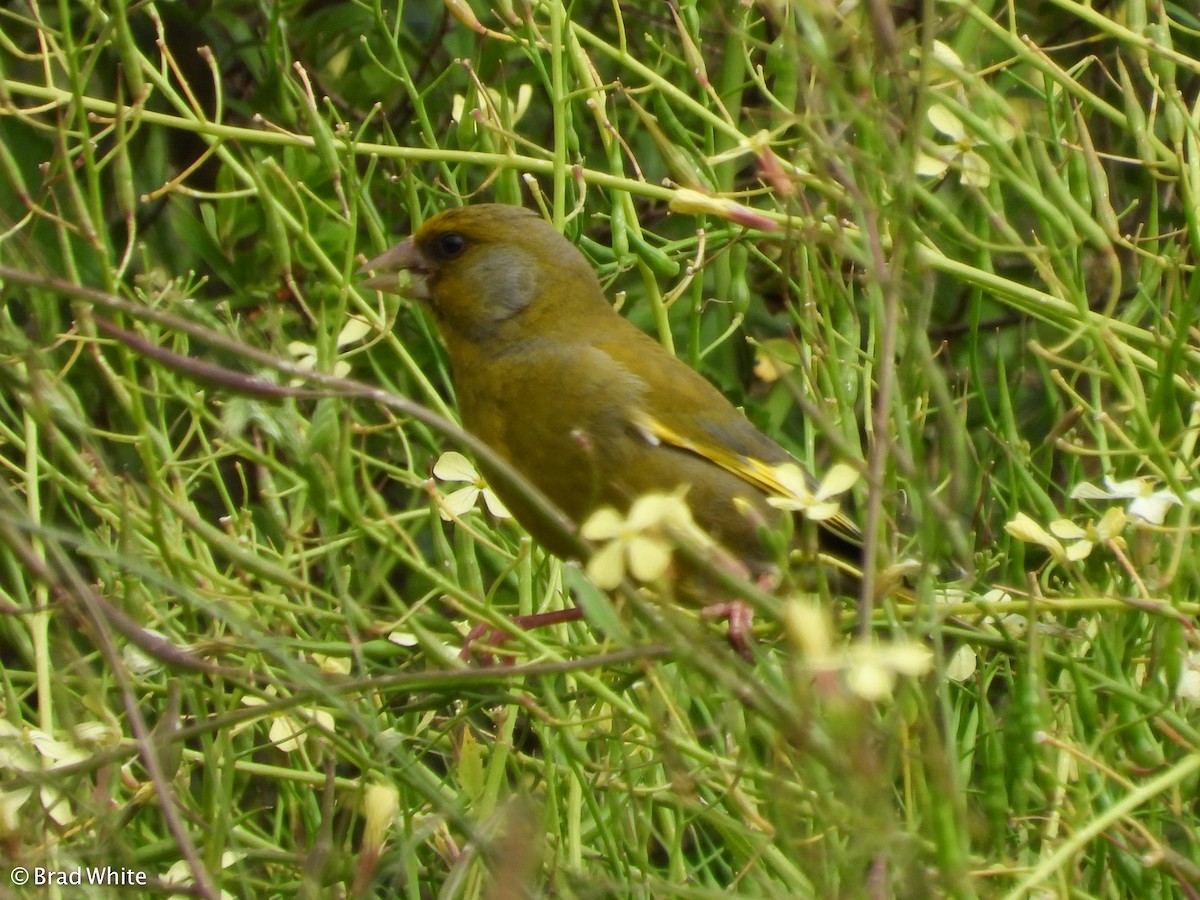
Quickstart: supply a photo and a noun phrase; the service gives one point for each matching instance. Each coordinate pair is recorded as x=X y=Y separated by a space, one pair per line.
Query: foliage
x=952 y=244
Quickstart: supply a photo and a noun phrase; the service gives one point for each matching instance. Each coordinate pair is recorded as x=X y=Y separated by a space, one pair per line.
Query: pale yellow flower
x=1024 y=528
x=495 y=102
x=289 y=730
x=305 y=355
x=452 y=466
x=816 y=505
x=974 y=170
x=869 y=667
x=641 y=542
x=379 y=805
x=1080 y=539
x=962 y=664
x=697 y=203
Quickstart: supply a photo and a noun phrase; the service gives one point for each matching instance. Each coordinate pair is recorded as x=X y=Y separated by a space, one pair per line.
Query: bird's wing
x=679 y=407
x=767 y=477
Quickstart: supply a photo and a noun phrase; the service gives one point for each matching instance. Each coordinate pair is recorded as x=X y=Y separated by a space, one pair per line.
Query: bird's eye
x=449 y=245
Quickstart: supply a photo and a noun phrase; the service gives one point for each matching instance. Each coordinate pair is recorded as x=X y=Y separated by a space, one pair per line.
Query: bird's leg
x=738 y=613
x=493 y=637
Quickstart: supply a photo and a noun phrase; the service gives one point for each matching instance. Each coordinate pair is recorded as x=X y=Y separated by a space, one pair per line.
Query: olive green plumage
x=586 y=406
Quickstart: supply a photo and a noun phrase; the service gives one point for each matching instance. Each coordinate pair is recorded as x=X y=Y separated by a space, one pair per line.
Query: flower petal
x=677 y=516
x=495 y=505
x=602 y=525
x=1079 y=550
x=453 y=466
x=947 y=58
x=906 y=657
x=606 y=568
x=355 y=329
x=946 y=122
x=793 y=478
x=1153 y=507
x=1189 y=682
x=1004 y=130
x=1023 y=528
x=1067 y=530
x=837 y=480
x=524 y=95
x=286 y=733
x=648 y=558
x=870 y=680
x=819 y=512
x=458 y=503
x=975 y=170
x=1127 y=489
x=1111 y=524
x=929 y=166
x=1086 y=491
x=962 y=664
x=807 y=625
x=648 y=511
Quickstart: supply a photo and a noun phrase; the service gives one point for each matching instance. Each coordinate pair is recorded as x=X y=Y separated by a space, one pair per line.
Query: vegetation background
x=952 y=243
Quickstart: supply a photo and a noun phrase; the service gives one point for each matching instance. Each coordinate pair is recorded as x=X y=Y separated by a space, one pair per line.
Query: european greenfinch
x=581 y=402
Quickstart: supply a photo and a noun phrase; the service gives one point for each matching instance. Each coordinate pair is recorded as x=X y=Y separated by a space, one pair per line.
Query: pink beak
x=403 y=257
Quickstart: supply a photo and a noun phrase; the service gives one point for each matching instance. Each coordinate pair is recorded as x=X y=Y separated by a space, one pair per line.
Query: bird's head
x=488 y=271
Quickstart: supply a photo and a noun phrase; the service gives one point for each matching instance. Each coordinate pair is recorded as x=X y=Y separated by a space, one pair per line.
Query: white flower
x=1145 y=501
x=1189 y=681
x=352 y=332
x=10 y=805
x=974 y=170
x=962 y=664
x=495 y=102
x=289 y=730
x=945 y=62
x=873 y=667
x=454 y=467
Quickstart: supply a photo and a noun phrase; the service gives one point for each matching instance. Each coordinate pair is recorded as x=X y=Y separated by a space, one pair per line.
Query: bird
x=590 y=409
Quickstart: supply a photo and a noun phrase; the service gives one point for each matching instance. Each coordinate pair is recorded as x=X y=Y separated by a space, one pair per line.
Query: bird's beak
x=387 y=266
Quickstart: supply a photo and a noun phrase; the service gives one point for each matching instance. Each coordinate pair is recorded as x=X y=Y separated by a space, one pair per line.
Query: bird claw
x=740 y=617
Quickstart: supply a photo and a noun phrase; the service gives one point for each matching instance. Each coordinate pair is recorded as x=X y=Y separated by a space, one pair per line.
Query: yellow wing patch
x=785 y=483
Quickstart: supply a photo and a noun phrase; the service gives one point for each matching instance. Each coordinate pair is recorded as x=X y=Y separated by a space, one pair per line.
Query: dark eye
x=449 y=245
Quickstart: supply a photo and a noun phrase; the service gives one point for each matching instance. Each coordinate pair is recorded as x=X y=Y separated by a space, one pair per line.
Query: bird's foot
x=493 y=636
x=740 y=616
